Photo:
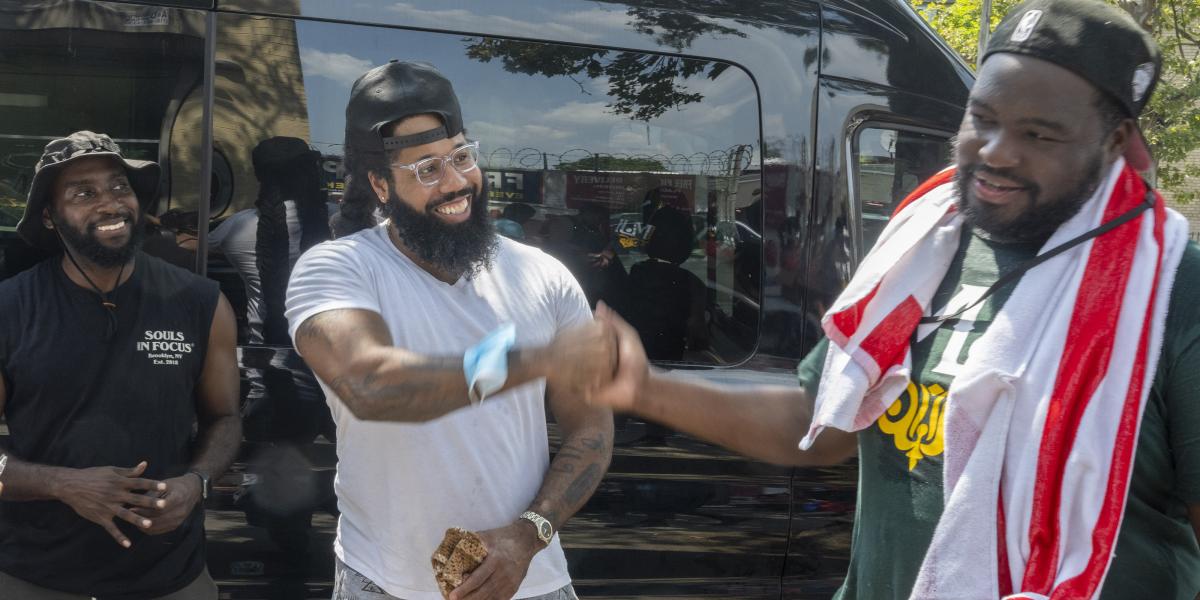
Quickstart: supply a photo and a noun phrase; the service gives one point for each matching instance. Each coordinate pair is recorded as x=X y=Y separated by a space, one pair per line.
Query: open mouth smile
x=112 y=226
x=454 y=207
x=995 y=190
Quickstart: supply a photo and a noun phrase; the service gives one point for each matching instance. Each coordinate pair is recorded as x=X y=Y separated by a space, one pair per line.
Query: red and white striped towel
x=1042 y=422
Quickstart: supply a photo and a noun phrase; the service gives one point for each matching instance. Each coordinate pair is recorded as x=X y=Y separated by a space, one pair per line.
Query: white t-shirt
x=401 y=485
x=236 y=237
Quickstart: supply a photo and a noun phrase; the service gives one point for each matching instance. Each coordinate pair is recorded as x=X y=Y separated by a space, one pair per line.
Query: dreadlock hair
x=299 y=180
x=359 y=203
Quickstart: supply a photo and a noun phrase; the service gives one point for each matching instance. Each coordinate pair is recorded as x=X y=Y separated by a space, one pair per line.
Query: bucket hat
x=143 y=177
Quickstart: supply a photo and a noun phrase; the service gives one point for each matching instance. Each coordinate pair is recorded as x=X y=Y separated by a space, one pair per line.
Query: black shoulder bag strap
x=1020 y=270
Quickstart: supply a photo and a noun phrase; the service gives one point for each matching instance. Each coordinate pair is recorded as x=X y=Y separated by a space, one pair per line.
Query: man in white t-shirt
x=439 y=345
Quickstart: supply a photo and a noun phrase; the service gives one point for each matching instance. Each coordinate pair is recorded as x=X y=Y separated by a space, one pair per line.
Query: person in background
x=511 y=223
x=667 y=302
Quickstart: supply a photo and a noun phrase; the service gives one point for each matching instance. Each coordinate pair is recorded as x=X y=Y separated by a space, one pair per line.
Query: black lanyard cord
x=109 y=306
x=1020 y=270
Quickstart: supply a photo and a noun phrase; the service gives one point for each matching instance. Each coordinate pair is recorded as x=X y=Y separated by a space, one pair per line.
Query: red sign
x=626 y=192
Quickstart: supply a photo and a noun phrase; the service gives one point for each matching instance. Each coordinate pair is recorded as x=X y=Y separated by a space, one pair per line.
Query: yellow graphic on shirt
x=915 y=422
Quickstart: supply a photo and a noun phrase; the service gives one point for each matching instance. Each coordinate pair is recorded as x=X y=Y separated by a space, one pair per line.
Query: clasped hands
x=601 y=363
x=104 y=495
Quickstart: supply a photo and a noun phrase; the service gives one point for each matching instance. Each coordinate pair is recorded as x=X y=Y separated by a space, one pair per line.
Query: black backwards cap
x=395 y=91
x=1098 y=42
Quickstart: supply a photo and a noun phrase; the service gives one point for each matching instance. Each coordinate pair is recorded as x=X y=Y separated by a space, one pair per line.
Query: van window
x=889 y=162
x=127 y=71
x=627 y=167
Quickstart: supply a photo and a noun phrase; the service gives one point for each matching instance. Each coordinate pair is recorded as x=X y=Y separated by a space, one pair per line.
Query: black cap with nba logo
x=1099 y=42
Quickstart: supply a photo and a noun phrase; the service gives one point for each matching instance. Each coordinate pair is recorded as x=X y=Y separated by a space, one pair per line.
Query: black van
x=786 y=131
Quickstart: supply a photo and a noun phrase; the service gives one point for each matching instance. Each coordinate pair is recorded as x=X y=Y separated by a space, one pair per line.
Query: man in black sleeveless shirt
x=109 y=359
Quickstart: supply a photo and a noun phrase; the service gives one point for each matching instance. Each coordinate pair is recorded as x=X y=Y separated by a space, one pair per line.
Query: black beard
x=464 y=249
x=84 y=243
x=1036 y=223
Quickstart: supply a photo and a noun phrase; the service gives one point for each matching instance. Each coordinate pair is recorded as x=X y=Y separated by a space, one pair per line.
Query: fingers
x=148 y=485
x=136 y=471
x=133 y=518
x=475 y=580
x=116 y=534
x=614 y=352
x=144 y=501
x=617 y=322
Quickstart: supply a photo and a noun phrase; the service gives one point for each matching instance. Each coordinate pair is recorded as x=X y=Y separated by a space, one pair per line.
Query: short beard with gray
x=463 y=249
x=1037 y=222
x=84 y=243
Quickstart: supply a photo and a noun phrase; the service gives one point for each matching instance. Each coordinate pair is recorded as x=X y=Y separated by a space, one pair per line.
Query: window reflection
x=888 y=164
x=127 y=71
x=582 y=148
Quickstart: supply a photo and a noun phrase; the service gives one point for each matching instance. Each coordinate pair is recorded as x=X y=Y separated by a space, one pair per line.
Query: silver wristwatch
x=545 y=531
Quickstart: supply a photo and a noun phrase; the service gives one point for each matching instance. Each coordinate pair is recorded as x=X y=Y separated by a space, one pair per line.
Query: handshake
x=602 y=362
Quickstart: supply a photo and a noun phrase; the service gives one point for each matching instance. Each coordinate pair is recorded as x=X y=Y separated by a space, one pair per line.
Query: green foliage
x=1171 y=122
x=643 y=86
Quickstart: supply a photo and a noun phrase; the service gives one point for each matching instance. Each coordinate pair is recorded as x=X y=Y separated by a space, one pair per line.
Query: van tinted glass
x=888 y=163
x=132 y=72
x=630 y=168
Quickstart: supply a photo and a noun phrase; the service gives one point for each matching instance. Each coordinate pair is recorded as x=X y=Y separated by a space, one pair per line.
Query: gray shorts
x=349 y=584
x=11 y=588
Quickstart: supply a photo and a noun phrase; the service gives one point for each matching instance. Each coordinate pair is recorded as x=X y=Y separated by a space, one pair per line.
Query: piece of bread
x=459 y=553
x=446 y=548
x=444 y=586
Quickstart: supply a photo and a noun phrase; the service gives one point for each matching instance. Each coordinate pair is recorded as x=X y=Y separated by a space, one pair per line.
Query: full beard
x=83 y=243
x=1038 y=221
x=463 y=248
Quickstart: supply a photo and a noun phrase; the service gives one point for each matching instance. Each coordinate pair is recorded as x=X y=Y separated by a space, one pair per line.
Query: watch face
x=546 y=531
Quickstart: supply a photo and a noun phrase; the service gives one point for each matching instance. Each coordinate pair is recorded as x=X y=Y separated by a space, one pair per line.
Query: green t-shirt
x=900 y=456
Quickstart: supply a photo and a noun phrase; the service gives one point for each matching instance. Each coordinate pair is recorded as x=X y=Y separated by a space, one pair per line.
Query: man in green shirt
x=1044 y=124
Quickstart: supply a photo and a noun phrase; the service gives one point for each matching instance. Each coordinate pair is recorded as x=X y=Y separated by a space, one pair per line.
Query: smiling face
x=1032 y=148
x=95 y=210
x=445 y=225
x=450 y=198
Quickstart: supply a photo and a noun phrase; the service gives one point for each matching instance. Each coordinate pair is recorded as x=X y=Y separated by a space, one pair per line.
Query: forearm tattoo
x=407 y=389
x=574 y=473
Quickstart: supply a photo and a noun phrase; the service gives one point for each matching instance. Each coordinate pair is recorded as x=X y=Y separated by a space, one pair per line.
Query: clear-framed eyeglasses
x=429 y=171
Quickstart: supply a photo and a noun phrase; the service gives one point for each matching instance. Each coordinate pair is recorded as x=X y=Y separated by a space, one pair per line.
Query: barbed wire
x=729 y=161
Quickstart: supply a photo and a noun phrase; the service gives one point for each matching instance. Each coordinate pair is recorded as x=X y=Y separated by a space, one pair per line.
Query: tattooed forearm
x=584 y=484
x=574 y=473
x=353 y=351
x=592 y=443
x=415 y=392
x=566 y=454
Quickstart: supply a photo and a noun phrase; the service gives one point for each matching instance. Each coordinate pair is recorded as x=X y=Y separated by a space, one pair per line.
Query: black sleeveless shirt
x=78 y=398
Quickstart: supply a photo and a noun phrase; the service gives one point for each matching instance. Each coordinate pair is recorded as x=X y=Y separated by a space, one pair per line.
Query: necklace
x=109 y=306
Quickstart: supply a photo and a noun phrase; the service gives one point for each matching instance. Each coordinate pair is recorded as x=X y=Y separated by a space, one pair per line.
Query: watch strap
x=205 y=485
x=545 y=529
